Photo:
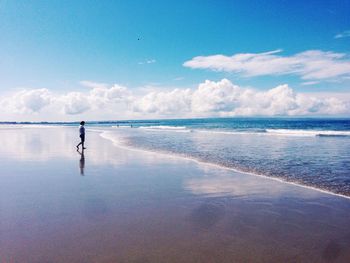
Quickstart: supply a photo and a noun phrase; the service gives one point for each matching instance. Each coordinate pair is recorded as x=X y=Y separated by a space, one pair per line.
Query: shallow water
x=312 y=152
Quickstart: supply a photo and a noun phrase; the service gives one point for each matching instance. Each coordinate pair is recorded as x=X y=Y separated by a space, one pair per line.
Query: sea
x=311 y=152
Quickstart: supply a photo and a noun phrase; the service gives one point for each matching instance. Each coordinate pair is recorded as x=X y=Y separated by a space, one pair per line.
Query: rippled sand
x=119 y=205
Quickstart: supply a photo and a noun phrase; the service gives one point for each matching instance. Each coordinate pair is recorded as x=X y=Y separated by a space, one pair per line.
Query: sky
x=112 y=60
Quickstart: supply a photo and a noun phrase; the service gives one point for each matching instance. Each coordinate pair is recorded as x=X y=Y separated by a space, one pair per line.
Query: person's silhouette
x=81 y=135
x=81 y=162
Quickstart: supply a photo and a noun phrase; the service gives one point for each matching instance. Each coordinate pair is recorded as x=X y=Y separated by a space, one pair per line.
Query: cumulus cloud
x=74 y=103
x=164 y=103
x=343 y=34
x=213 y=96
x=210 y=98
x=223 y=98
x=28 y=101
x=102 y=96
x=309 y=65
x=98 y=98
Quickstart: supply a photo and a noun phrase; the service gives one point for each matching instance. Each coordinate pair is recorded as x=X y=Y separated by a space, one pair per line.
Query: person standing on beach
x=81 y=135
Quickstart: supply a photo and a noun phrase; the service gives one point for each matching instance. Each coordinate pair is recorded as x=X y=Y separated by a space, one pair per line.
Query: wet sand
x=119 y=205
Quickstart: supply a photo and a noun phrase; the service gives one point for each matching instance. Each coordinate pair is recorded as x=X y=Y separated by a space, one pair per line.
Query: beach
x=120 y=204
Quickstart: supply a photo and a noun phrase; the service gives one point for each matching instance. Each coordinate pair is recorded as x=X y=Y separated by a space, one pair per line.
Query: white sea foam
x=290 y=132
x=266 y=132
x=166 y=128
x=279 y=132
x=233 y=132
x=109 y=135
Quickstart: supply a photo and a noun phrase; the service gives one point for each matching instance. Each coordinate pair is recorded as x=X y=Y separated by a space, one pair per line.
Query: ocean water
x=310 y=152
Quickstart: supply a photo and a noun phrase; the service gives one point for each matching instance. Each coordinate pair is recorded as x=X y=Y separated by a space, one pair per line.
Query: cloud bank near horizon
x=311 y=65
x=209 y=99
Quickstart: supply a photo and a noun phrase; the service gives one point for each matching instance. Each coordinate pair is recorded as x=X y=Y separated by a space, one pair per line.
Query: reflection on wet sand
x=226 y=183
x=36 y=144
x=81 y=161
x=140 y=207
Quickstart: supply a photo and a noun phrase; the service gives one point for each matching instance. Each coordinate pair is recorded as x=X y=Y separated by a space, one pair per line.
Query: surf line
x=104 y=134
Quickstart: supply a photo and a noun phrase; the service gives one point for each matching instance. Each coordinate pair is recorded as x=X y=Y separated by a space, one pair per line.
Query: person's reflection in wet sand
x=81 y=162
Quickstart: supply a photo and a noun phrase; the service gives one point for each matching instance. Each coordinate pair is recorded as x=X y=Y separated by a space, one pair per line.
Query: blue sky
x=55 y=45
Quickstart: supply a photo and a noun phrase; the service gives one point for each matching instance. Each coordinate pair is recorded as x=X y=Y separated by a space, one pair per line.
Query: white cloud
x=231 y=100
x=100 y=97
x=92 y=84
x=343 y=34
x=307 y=83
x=74 y=103
x=149 y=61
x=223 y=98
x=210 y=98
x=27 y=101
x=213 y=96
x=172 y=102
x=309 y=65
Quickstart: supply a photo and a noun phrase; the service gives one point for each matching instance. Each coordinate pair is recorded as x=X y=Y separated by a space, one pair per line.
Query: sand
x=120 y=205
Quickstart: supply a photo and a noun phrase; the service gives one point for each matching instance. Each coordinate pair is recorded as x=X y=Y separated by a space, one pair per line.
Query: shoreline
x=178 y=156
x=101 y=130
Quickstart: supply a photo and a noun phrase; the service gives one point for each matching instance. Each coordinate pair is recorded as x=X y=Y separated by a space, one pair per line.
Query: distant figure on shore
x=81 y=162
x=81 y=135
